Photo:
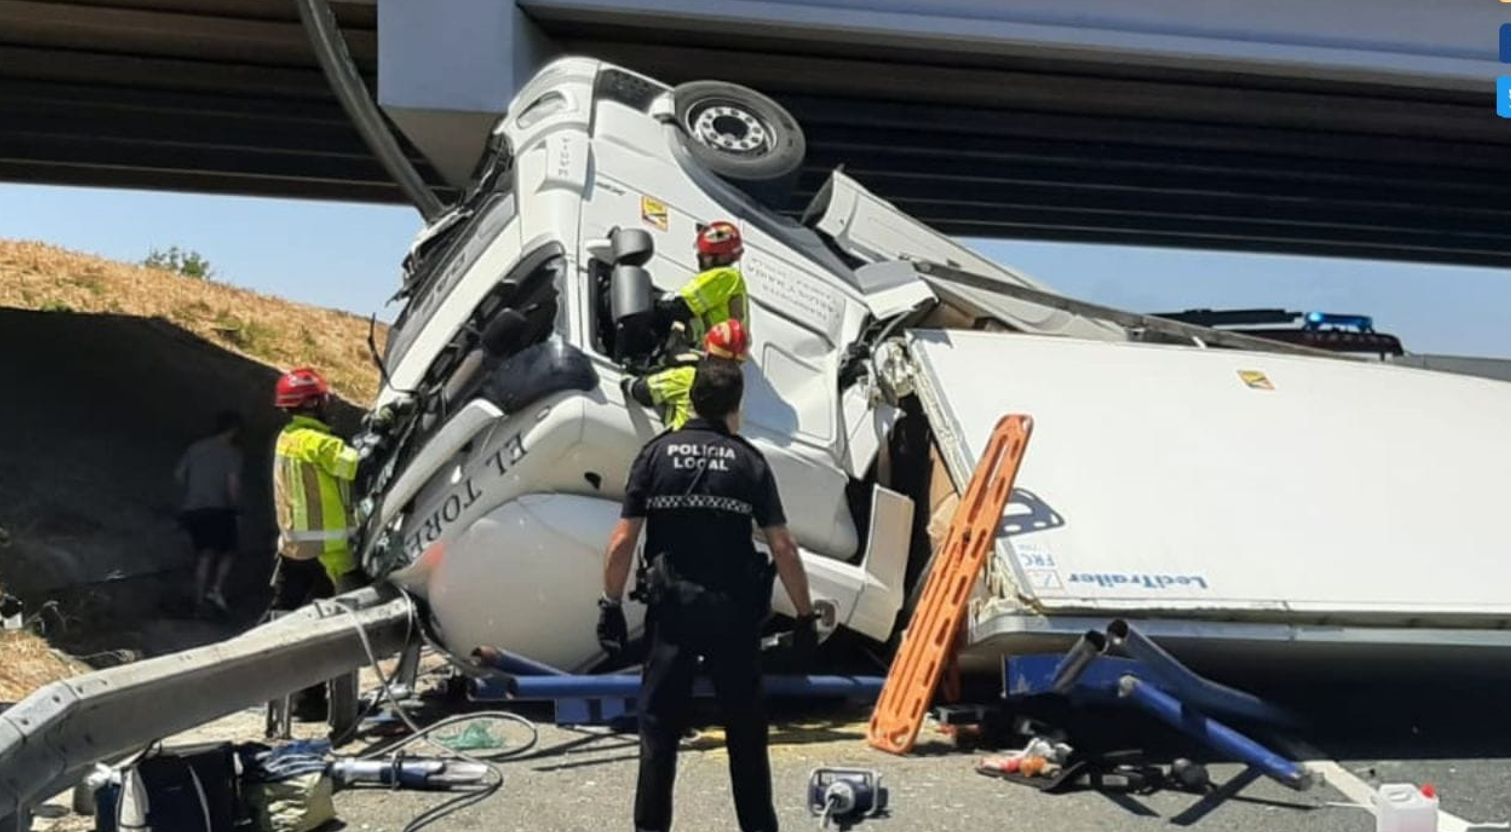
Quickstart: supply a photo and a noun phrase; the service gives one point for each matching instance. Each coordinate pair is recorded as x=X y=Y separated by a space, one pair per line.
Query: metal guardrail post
x=50 y=738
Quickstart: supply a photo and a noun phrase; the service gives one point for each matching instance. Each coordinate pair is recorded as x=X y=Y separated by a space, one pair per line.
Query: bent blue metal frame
x=1160 y=686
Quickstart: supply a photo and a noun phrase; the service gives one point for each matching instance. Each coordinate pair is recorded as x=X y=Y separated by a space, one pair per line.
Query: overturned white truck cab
x=1219 y=495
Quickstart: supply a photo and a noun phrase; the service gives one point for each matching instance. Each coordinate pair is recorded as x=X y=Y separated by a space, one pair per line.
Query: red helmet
x=720 y=239
x=298 y=388
x=727 y=340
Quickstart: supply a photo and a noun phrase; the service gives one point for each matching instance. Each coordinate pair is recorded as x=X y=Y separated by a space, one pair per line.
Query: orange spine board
x=935 y=627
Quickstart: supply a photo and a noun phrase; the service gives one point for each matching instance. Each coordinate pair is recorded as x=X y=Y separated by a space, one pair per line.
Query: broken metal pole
x=51 y=738
x=1129 y=320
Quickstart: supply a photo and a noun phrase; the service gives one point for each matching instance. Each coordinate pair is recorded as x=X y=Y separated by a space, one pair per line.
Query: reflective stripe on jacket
x=714 y=297
x=312 y=474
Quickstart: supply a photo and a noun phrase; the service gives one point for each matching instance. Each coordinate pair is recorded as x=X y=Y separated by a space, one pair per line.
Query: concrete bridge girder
x=1360 y=128
x=448 y=68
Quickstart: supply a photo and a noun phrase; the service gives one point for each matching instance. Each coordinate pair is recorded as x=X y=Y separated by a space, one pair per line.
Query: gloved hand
x=805 y=639
x=613 y=632
x=671 y=308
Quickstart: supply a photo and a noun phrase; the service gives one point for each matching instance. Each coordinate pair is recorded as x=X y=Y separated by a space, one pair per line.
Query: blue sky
x=347 y=256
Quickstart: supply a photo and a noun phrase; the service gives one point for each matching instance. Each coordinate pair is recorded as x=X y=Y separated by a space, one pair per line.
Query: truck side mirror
x=632 y=246
x=600 y=249
x=632 y=305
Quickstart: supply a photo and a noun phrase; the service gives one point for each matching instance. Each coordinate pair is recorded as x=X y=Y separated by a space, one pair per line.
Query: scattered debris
x=1402 y=807
x=1056 y=767
x=845 y=795
x=405 y=772
x=190 y=788
x=1040 y=758
x=10 y=612
x=476 y=737
x=1189 y=776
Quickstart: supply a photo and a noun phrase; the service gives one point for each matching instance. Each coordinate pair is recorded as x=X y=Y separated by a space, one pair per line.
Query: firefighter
x=313 y=470
x=696 y=493
x=668 y=389
x=717 y=293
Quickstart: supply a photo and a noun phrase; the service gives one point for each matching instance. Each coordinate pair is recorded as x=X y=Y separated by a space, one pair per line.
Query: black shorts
x=211 y=529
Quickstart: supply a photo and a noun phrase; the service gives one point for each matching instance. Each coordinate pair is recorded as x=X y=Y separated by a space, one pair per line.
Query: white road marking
x=1361 y=793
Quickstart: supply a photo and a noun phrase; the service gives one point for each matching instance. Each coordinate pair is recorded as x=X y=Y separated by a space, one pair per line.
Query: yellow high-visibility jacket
x=714 y=297
x=671 y=392
x=313 y=470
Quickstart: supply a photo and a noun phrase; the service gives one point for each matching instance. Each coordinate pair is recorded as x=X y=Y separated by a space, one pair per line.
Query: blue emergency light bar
x=1363 y=323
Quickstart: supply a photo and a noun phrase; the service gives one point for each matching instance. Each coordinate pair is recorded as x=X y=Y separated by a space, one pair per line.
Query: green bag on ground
x=298 y=804
x=477 y=737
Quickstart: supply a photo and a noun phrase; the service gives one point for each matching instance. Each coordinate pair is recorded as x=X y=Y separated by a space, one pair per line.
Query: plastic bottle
x=1402 y=807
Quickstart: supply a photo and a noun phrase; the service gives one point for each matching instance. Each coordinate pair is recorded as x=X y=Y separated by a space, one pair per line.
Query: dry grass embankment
x=272 y=330
x=30 y=663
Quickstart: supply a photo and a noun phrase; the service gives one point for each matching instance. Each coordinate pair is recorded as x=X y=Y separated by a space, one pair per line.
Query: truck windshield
x=437 y=262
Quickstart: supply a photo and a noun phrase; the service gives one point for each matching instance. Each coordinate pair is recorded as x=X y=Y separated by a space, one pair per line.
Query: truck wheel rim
x=730 y=128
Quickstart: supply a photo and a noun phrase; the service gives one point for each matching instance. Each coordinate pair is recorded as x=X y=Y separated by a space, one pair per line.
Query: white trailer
x=1241 y=504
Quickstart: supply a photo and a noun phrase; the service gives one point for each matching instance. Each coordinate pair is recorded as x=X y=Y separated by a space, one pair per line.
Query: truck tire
x=742 y=136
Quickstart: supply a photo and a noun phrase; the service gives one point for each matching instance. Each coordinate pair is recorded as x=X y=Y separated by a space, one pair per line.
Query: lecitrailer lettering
x=1136 y=580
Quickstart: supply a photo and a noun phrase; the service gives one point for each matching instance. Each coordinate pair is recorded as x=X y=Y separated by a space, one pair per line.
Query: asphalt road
x=584 y=780
x=1451 y=733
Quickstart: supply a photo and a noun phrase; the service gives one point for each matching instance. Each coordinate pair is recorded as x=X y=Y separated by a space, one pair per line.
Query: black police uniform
x=699 y=489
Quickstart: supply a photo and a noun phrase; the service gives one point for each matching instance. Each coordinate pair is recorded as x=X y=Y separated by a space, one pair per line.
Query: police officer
x=696 y=492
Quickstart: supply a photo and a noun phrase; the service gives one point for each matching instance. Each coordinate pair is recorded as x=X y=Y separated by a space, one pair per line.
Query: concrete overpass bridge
x=1351 y=127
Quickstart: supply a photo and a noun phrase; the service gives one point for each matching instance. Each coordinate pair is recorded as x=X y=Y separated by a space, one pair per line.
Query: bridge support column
x=447 y=70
